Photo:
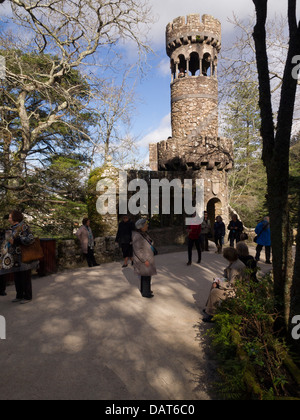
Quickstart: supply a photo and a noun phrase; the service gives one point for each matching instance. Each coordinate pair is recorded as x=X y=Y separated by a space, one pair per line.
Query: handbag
x=256 y=237
x=32 y=252
x=154 y=250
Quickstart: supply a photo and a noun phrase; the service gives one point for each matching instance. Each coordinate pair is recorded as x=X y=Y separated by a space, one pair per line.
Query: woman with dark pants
x=87 y=242
x=263 y=232
x=194 y=232
x=143 y=257
x=124 y=239
x=11 y=256
x=235 y=228
x=219 y=233
x=2 y=286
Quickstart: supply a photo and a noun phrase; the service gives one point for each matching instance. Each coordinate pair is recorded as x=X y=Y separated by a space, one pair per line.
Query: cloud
x=161 y=133
x=167 y=10
x=164 y=67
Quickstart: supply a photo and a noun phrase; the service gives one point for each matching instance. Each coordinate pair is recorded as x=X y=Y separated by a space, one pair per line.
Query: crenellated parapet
x=200 y=152
x=193 y=30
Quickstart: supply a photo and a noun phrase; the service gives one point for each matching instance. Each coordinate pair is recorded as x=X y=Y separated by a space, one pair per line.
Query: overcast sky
x=152 y=122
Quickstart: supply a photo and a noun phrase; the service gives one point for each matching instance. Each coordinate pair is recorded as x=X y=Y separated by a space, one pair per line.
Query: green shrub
x=251 y=356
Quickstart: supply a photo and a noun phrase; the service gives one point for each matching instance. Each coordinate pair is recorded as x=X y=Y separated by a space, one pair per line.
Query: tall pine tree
x=247 y=181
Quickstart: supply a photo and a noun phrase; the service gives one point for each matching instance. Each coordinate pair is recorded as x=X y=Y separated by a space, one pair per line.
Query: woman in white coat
x=143 y=257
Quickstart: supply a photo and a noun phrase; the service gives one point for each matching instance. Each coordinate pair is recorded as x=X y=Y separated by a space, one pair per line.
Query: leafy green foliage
x=94 y=216
x=41 y=173
x=250 y=354
x=62 y=203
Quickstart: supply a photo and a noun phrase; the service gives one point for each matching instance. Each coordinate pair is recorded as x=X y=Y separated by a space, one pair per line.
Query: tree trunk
x=295 y=290
x=276 y=148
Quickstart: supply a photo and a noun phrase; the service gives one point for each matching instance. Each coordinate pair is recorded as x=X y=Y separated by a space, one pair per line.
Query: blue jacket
x=264 y=237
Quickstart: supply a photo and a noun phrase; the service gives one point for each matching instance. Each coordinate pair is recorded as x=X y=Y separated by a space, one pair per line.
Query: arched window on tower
x=206 y=65
x=182 y=66
x=194 y=63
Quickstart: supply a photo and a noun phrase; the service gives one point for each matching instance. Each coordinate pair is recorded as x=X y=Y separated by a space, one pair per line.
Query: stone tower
x=193 y=48
x=193 y=44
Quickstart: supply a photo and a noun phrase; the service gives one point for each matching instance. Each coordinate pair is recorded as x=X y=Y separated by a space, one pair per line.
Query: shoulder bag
x=32 y=252
x=256 y=237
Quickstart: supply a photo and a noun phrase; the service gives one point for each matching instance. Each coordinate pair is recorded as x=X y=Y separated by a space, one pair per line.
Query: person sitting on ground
x=222 y=290
x=247 y=259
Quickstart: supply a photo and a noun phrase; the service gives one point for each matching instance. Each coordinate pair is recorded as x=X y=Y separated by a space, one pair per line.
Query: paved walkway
x=89 y=334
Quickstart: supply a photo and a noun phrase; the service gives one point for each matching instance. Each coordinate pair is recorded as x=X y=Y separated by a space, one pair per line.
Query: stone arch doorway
x=214 y=209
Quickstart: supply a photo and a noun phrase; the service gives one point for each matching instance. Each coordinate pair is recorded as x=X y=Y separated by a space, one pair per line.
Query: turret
x=193 y=45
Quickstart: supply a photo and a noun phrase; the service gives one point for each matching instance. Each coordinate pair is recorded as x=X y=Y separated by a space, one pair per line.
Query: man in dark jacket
x=236 y=228
x=124 y=239
x=219 y=233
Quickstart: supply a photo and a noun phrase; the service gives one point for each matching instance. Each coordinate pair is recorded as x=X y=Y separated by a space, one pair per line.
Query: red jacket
x=194 y=231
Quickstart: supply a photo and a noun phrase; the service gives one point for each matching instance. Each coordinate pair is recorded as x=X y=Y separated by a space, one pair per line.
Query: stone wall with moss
x=101 y=226
x=69 y=254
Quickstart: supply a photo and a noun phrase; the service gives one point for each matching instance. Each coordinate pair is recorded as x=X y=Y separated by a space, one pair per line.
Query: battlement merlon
x=194 y=153
x=192 y=29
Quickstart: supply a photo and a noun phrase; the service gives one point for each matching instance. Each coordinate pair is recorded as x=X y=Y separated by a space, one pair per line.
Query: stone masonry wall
x=69 y=254
x=195 y=153
x=194 y=106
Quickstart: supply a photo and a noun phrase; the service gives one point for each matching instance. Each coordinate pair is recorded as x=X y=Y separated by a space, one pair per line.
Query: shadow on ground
x=90 y=335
